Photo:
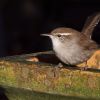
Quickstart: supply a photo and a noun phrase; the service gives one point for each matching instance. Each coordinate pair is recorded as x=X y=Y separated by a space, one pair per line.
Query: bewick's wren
x=73 y=47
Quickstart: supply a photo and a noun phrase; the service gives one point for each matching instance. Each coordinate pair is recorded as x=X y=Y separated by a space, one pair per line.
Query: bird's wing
x=87 y=44
x=90 y=24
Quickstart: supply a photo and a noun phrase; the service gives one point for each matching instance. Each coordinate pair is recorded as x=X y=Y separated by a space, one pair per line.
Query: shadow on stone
x=2 y=94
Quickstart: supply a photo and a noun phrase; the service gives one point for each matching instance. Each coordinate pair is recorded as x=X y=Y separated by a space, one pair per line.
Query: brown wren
x=74 y=47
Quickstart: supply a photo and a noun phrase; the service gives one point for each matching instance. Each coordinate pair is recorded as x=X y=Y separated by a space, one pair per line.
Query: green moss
x=23 y=94
x=7 y=76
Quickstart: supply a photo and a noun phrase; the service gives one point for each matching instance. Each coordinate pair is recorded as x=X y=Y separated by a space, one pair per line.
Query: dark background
x=22 y=22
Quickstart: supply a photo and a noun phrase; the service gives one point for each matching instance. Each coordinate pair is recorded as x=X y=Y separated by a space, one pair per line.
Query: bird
x=73 y=47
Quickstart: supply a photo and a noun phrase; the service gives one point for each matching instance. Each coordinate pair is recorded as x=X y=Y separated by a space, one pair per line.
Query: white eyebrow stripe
x=65 y=33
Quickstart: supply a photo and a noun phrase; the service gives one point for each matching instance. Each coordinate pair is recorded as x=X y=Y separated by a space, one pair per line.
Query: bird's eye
x=59 y=35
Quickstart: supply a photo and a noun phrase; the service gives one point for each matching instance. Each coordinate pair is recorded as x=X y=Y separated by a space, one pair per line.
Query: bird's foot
x=84 y=68
x=60 y=65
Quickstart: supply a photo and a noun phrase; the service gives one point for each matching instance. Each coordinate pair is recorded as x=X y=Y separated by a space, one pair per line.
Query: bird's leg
x=85 y=67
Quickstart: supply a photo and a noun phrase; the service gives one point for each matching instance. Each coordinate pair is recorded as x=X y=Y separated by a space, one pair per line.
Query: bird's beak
x=45 y=35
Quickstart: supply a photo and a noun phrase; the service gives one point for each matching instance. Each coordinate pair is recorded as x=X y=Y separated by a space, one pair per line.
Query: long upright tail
x=90 y=24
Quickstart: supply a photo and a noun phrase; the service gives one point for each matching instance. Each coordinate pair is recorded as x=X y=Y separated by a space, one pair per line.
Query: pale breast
x=71 y=55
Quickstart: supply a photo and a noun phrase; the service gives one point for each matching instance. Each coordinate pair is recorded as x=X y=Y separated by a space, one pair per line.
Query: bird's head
x=63 y=35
